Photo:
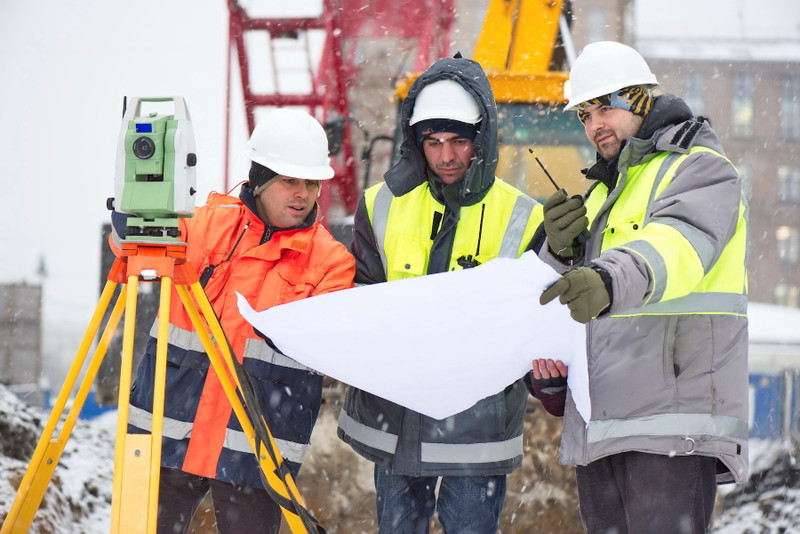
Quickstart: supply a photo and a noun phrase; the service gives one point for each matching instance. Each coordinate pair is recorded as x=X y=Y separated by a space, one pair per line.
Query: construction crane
x=324 y=78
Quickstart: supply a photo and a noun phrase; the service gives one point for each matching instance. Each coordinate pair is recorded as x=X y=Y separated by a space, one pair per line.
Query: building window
x=742 y=106
x=788 y=184
x=790 y=109
x=693 y=90
x=788 y=243
x=596 y=30
x=787 y=295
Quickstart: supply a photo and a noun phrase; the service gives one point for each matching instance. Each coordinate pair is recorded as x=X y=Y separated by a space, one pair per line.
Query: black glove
x=565 y=219
x=547 y=386
x=586 y=290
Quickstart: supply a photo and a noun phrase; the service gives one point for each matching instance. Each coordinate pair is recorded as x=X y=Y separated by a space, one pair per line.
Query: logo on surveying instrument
x=155 y=175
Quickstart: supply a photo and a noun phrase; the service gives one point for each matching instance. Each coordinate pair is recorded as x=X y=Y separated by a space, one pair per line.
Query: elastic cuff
x=606 y=282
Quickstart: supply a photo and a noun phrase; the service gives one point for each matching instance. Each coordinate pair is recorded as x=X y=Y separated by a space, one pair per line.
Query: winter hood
x=411 y=170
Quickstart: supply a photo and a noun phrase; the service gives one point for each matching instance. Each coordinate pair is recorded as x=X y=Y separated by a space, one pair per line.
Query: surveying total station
x=155 y=171
x=154 y=187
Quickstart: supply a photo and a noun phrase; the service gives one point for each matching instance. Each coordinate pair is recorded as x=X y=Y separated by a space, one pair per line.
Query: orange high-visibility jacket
x=201 y=434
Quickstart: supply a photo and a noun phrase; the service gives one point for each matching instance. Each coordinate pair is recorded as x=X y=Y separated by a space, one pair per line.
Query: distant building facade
x=736 y=62
x=21 y=340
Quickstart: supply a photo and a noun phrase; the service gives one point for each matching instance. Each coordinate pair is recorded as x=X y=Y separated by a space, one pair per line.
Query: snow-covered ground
x=79 y=496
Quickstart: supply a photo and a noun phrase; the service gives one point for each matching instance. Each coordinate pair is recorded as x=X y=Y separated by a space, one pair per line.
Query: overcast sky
x=66 y=66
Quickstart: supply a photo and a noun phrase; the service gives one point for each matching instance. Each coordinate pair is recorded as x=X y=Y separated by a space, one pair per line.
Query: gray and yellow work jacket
x=487 y=438
x=668 y=362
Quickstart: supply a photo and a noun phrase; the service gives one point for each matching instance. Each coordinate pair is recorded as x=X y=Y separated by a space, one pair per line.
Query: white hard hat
x=292 y=143
x=445 y=99
x=603 y=68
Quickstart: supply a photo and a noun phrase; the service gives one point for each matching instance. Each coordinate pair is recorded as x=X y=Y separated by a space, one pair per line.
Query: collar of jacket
x=453 y=195
x=667 y=111
x=412 y=168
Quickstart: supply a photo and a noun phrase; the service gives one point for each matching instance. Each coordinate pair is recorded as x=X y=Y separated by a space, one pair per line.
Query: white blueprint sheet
x=436 y=344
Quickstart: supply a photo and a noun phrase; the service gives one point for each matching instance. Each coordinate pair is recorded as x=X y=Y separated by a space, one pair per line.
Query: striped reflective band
x=257 y=349
x=371 y=437
x=235 y=440
x=380 y=218
x=523 y=207
x=173 y=429
x=442 y=453
x=697 y=239
x=181 y=338
x=471 y=453
x=672 y=424
x=290 y=450
x=656 y=264
x=707 y=303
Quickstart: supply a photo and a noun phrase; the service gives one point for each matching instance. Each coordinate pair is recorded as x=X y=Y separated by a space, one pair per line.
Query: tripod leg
x=158 y=400
x=137 y=462
x=48 y=451
x=225 y=369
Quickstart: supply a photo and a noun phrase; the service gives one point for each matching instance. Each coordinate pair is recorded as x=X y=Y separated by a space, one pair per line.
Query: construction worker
x=267 y=245
x=662 y=287
x=441 y=209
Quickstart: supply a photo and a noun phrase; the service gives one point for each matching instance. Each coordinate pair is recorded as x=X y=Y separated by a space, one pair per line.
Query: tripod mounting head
x=155 y=174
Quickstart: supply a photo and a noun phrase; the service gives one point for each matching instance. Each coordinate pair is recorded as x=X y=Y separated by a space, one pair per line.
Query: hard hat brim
x=302 y=172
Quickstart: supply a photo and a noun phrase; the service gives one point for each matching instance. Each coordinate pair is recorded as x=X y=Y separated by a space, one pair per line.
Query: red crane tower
x=314 y=62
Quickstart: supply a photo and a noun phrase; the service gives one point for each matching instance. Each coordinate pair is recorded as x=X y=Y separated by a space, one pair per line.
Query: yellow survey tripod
x=137 y=457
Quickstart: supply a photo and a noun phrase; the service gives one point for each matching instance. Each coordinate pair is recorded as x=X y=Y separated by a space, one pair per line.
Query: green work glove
x=584 y=290
x=564 y=219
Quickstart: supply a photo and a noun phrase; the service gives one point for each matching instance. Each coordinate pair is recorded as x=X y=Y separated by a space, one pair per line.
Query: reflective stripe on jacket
x=668 y=362
x=487 y=438
x=201 y=433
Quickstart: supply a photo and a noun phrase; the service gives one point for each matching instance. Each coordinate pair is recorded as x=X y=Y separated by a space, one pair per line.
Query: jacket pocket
x=298 y=282
x=406 y=257
x=289 y=399
x=622 y=229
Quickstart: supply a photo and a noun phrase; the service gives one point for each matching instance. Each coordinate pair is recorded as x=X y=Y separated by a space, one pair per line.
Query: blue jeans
x=466 y=504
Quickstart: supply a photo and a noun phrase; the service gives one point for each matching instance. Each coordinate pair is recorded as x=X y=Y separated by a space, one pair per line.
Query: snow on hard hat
x=445 y=99
x=291 y=143
x=603 y=68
